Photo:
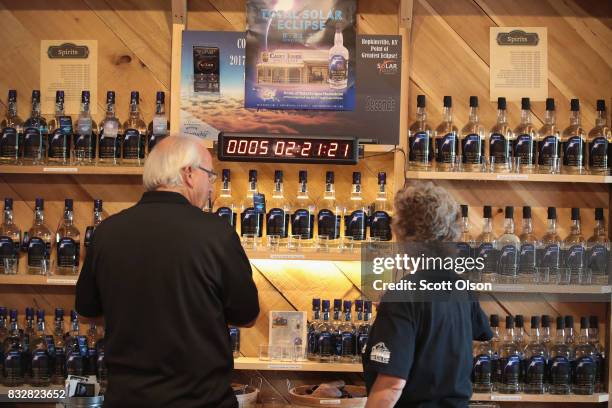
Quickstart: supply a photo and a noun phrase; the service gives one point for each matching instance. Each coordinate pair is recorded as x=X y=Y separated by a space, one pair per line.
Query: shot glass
x=323 y=243
x=543 y=275
x=554 y=166
x=492 y=164
x=587 y=277
x=516 y=164
x=348 y=243
x=249 y=241
x=10 y=265
x=287 y=353
x=295 y=242
x=299 y=353
x=274 y=242
x=264 y=352
x=565 y=276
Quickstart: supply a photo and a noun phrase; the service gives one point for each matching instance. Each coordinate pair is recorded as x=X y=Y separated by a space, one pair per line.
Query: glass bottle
x=225 y=207
x=338 y=62
x=549 y=250
x=159 y=126
x=60 y=134
x=495 y=343
x=524 y=149
x=446 y=139
x=325 y=342
x=302 y=216
x=363 y=331
x=482 y=367
x=277 y=219
x=68 y=242
x=251 y=222
x=312 y=334
x=500 y=140
x=574 y=251
x=35 y=134
x=347 y=335
x=13 y=354
x=559 y=367
x=110 y=134
x=380 y=221
x=487 y=247
x=599 y=139
x=11 y=133
x=472 y=140
x=573 y=140
x=330 y=214
x=509 y=362
x=59 y=362
x=536 y=356
x=549 y=141
x=92 y=351
x=40 y=358
x=85 y=135
x=465 y=245
x=356 y=213
x=420 y=149
x=97 y=220
x=527 y=251
x=135 y=134
x=508 y=245
x=38 y=242
x=10 y=238
x=598 y=250
x=600 y=354
x=76 y=348
x=583 y=378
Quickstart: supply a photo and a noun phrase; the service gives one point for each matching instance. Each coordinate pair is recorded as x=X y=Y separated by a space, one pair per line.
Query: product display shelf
x=485 y=176
x=254 y=363
x=73 y=170
x=571 y=398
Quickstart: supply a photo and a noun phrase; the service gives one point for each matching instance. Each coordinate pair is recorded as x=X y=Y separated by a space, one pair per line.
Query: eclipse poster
x=300 y=54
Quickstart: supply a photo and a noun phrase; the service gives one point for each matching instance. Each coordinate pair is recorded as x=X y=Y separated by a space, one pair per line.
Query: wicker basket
x=299 y=398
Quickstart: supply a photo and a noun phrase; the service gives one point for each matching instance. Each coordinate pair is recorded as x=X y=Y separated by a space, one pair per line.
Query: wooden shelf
x=595 y=398
x=311 y=255
x=74 y=170
x=254 y=363
x=23 y=279
x=546 y=178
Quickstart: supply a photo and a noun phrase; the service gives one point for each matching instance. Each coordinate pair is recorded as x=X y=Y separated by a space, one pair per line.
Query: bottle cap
x=29 y=312
x=160 y=96
x=494 y=320
x=316 y=304
x=39 y=204
x=12 y=95
x=13 y=314
x=98 y=205
x=420 y=101
x=519 y=320
x=36 y=95
x=552 y=213
x=303 y=176
x=40 y=314
x=550 y=104
x=8 y=203
x=526 y=212
x=367 y=306
x=329 y=177
x=569 y=321
x=448 y=101
x=252 y=175
x=545 y=321
x=535 y=322
x=473 y=101
x=69 y=204
x=593 y=322
x=3 y=312
x=359 y=305
x=509 y=322
x=347 y=305
x=584 y=322
x=601 y=105
x=509 y=212
x=337 y=304
x=382 y=178
x=486 y=211
x=575 y=105
x=225 y=175
x=73 y=315
x=501 y=103
x=59 y=96
x=525 y=104
x=278 y=176
x=464 y=210
x=575 y=214
x=325 y=304
x=85 y=96
x=356 y=177
x=110 y=97
x=59 y=313
x=134 y=97
x=599 y=214
x=560 y=323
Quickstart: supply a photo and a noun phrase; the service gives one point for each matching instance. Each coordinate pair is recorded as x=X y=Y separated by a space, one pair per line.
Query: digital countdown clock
x=286 y=149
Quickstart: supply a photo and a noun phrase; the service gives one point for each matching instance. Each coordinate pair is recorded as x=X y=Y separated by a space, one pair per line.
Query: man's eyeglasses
x=212 y=176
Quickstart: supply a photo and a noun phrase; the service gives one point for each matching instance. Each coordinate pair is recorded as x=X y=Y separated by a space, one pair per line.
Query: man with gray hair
x=168 y=278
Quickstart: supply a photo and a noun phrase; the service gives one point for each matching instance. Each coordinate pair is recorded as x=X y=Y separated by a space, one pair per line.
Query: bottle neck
x=593 y=335
x=546 y=332
x=550 y=117
x=527 y=226
x=338 y=40
x=487 y=227
x=356 y=192
x=29 y=324
x=575 y=228
x=421 y=115
x=8 y=217
x=552 y=225
x=134 y=110
x=326 y=315
x=59 y=327
x=465 y=224
x=40 y=326
x=561 y=336
x=11 y=110
x=575 y=118
x=495 y=332
x=510 y=334
x=502 y=117
x=382 y=193
x=35 y=109
x=535 y=335
x=316 y=314
x=525 y=117
x=97 y=217
x=509 y=226
x=226 y=188
x=14 y=327
x=302 y=188
x=159 y=108
x=110 y=110
x=474 y=115
x=330 y=192
x=278 y=189
x=68 y=217
x=84 y=108
x=59 y=109
x=600 y=228
x=448 y=114
x=39 y=217
x=367 y=316
x=584 y=336
x=347 y=316
x=252 y=187
x=74 y=328
x=601 y=118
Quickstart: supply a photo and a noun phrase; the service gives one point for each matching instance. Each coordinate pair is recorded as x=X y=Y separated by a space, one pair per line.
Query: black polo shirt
x=168 y=279
x=429 y=344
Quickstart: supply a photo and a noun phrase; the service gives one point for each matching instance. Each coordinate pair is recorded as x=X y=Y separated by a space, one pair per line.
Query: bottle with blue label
x=37 y=243
x=135 y=134
x=549 y=250
x=11 y=133
x=85 y=133
x=338 y=62
x=347 y=335
x=509 y=364
x=508 y=245
x=574 y=251
x=97 y=220
x=598 y=250
x=303 y=212
x=68 y=242
x=500 y=140
x=584 y=366
x=472 y=140
x=534 y=362
x=35 y=134
x=234 y=335
x=251 y=221
x=60 y=134
x=356 y=213
x=573 y=141
x=312 y=333
x=446 y=139
x=363 y=330
x=549 y=141
x=58 y=374
x=599 y=139
x=527 y=260
x=76 y=348
x=329 y=217
x=420 y=143
x=159 y=126
x=277 y=218
x=325 y=343
x=482 y=367
x=13 y=363
x=225 y=207
x=40 y=366
x=110 y=134
x=380 y=220
x=487 y=247
x=10 y=239
x=560 y=363
x=600 y=354
x=524 y=149
x=495 y=342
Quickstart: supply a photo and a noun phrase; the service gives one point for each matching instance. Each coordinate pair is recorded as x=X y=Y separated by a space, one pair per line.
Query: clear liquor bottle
x=225 y=207
x=356 y=213
x=380 y=221
x=599 y=139
x=102 y=373
x=363 y=330
x=159 y=126
x=41 y=360
x=347 y=335
x=11 y=133
x=338 y=62
x=559 y=368
x=584 y=369
x=534 y=363
x=420 y=149
x=13 y=354
x=58 y=374
x=336 y=322
x=38 y=241
x=495 y=343
x=68 y=242
x=303 y=212
x=600 y=354
x=251 y=222
x=465 y=245
x=10 y=238
x=35 y=134
x=598 y=250
x=472 y=140
x=85 y=135
x=574 y=249
x=446 y=139
x=501 y=140
x=527 y=251
x=91 y=366
x=76 y=348
x=97 y=220
x=60 y=134
x=508 y=245
x=329 y=217
x=277 y=219
x=110 y=134
x=312 y=334
x=509 y=362
x=549 y=140
x=570 y=336
x=325 y=341
x=524 y=149
x=487 y=247
x=573 y=140
x=549 y=248
x=135 y=134
x=482 y=367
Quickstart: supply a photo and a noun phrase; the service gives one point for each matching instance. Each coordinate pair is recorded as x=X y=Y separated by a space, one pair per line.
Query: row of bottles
x=62 y=141
x=523 y=258
x=35 y=356
x=36 y=243
x=561 y=364
x=523 y=148
x=341 y=338
x=304 y=218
